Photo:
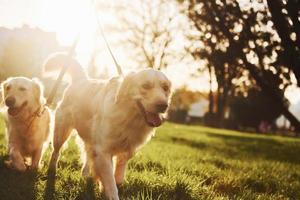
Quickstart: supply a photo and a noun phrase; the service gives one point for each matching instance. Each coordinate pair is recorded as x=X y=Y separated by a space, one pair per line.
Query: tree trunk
x=220 y=108
x=211 y=97
x=291 y=57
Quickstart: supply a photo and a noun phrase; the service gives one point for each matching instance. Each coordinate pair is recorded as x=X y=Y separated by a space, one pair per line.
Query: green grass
x=181 y=162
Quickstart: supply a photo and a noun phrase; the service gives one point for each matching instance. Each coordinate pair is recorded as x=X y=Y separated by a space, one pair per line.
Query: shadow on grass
x=186 y=142
x=88 y=192
x=17 y=185
x=243 y=146
x=191 y=143
x=143 y=190
x=258 y=147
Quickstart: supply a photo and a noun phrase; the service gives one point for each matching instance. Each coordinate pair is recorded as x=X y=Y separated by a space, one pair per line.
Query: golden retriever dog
x=28 y=121
x=113 y=118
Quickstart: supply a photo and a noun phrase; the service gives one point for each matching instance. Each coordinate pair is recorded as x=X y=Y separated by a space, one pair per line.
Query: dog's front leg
x=36 y=157
x=16 y=160
x=103 y=167
x=120 y=167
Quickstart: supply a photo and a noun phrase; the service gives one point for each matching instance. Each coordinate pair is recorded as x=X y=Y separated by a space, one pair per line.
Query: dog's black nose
x=10 y=101
x=161 y=107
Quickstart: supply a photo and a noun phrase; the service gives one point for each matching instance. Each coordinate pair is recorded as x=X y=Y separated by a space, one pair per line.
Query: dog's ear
x=2 y=86
x=38 y=91
x=2 y=90
x=124 y=88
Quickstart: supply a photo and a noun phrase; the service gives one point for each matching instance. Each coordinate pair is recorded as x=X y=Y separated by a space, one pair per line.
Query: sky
x=69 y=18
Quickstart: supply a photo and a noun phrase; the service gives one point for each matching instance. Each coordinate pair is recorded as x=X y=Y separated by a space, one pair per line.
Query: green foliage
x=180 y=163
x=240 y=46
x=182 y=98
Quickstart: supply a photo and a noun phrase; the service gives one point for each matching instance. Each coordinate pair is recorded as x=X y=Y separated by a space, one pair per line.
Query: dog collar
x=38 y=113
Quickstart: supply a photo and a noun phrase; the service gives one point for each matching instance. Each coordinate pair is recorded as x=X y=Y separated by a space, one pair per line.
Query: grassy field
x=181 y=162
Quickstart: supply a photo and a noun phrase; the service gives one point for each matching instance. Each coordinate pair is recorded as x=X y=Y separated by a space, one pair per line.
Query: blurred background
x=234 y=63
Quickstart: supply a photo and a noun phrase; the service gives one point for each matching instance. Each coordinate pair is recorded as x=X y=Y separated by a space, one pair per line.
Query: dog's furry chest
x=29 y=136
x=126 y=140
x=23 y=140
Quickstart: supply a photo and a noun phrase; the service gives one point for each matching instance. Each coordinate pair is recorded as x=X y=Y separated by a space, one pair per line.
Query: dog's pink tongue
x=154 y=119
x=13 y=111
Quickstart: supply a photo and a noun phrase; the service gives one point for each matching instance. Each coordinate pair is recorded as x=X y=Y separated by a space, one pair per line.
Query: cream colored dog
x=28 y=121
x=113 y=118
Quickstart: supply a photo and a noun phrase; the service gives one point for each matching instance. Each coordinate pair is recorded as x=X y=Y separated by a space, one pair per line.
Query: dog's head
x=151 y=90
x=19 y=93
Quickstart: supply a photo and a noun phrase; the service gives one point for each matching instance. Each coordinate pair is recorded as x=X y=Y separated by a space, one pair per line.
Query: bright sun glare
x=69 y=18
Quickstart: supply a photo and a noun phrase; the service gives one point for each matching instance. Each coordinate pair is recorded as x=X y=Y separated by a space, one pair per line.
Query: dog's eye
x=7 y=87
x=22 y=89
x=165 y=88
x=147 y=86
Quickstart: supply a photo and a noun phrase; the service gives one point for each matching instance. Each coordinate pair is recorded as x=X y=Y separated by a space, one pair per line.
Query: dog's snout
x=161 y=107
x=10 y=101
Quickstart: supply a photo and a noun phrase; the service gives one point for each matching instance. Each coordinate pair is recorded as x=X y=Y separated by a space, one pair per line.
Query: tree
x=181 y=101
x=285 y=16
x=240 y=44
x=152 y=27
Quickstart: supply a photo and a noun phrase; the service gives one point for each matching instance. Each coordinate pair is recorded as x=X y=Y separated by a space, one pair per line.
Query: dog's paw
x=8 y=164
x=119 y=181
x=33 y=168
x=19 y=167
x=119 y=178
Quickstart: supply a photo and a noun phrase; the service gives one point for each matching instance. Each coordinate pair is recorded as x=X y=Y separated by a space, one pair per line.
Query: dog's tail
x=56 y=61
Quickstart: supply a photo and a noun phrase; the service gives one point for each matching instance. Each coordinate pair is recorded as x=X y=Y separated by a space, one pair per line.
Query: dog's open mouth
x=13 y=111
x=152 y=119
